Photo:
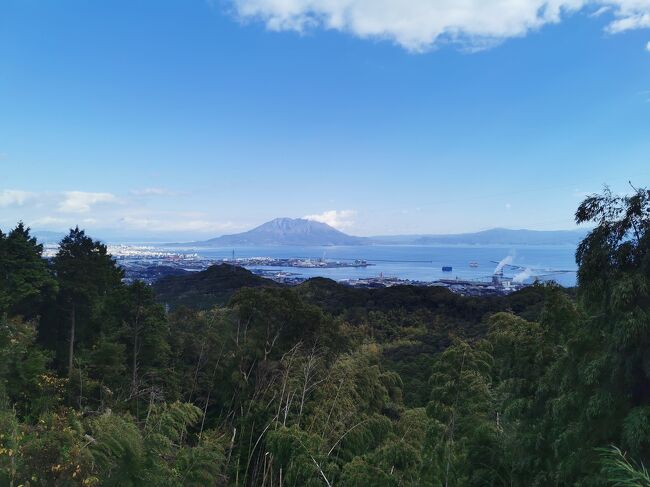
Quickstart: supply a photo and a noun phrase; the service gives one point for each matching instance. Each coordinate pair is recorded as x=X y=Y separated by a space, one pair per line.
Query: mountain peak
x=288 y=231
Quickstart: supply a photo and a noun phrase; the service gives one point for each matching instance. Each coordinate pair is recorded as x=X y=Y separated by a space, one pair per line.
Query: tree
x=462 y=403
x=52 y=452
x=525 y=356
x=273 y=320
x=23 y=370
x=359 y=473
x=86 y=275
x=157 y=454
x=610 y=348
x=146 y=334
x=25 y=280
x=596 y=390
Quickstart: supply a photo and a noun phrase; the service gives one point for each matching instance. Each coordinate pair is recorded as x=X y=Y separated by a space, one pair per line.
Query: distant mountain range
x=47 y=237
x=495 y=236
x=301 y=232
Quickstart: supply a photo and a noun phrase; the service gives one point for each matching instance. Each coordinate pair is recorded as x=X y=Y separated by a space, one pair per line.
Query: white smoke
x=504 y=262
x=523 y=276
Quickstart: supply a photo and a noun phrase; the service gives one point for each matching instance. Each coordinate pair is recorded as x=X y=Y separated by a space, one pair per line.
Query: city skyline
x=199 y=119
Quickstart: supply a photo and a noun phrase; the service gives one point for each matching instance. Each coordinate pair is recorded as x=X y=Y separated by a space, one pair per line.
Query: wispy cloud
x=419 y=25
x=630 y=18
x=14 y=197
x=104 y=212
x=82 y=202
x=338 y=219
x=600 y=11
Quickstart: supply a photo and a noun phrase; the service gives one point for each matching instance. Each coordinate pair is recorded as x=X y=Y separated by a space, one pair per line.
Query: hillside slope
x=211 y=287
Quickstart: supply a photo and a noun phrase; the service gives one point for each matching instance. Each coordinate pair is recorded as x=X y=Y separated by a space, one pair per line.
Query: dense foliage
x=102 y=384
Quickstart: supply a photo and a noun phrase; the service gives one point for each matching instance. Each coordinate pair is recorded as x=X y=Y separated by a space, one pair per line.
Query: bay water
x=418 y=263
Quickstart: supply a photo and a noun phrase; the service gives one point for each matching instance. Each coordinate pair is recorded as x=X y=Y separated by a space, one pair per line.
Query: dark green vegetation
x=203 y=290
x=322 y=384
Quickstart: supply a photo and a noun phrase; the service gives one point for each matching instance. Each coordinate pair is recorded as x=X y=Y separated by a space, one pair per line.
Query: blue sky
x=194 y=118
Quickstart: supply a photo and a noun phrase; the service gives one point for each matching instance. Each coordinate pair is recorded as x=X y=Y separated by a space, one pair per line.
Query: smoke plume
x=504 y=262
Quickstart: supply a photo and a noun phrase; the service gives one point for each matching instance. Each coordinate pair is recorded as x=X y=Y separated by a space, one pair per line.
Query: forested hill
x=340 y=299
x=211 y=287
x=218 y=284
x=321 y=384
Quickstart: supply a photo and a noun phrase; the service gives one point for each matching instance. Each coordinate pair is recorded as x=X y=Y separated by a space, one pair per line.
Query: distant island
x=308 y=233
x=287 y=231
x=494 y=236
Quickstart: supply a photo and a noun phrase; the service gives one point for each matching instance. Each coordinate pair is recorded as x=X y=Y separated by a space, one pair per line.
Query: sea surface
x=419 y=263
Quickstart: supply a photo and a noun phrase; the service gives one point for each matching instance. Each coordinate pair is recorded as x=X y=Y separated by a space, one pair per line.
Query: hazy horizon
x=116 y=238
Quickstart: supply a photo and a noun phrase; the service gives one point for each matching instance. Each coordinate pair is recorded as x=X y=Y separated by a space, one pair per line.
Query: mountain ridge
x=493 y=236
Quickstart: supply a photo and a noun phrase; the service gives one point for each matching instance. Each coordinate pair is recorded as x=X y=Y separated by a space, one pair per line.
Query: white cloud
x=104 y=212
x=14 y=197
x=418 y=25
x=630 y=15
x=647 y=47
x=82 y=202
x=338 y=219
x=600 y=11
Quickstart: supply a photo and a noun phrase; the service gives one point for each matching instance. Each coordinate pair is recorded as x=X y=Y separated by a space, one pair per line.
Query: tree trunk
x=72 y=330
x=134 y=378
x=134 y=366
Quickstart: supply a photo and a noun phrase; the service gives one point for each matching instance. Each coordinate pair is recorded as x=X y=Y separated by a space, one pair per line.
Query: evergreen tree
x=87 y=274
x=25 y=280
x=24 y=382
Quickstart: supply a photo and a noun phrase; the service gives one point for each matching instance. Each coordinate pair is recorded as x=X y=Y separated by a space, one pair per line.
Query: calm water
x=422 y=263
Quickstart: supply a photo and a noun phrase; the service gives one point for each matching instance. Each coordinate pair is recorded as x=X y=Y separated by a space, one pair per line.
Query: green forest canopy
x=321 y=384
